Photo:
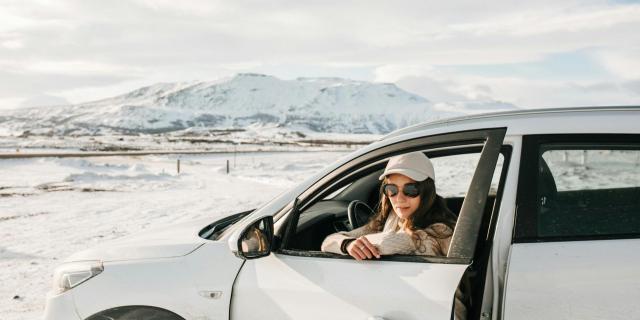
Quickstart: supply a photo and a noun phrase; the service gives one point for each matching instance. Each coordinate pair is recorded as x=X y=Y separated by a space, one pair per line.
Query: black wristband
x=345 y=243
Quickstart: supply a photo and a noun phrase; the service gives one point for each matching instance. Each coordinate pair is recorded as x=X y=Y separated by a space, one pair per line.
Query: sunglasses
x=410 y=190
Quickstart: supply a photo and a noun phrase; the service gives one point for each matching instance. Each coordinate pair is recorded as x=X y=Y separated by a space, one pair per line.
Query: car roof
x=609 y=119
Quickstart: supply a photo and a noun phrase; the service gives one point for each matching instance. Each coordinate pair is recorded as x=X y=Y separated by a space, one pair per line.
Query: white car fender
x=196 y=286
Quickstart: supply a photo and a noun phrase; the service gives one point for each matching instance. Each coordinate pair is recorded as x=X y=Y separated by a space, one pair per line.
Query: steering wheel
x=359 y=213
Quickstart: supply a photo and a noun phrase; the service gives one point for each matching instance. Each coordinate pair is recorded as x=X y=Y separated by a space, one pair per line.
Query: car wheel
x=135 y=313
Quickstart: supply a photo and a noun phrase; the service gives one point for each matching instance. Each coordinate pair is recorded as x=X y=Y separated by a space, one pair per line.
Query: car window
x=588 y=191
x=454 y=173
x=583 y=169
x=337 y=192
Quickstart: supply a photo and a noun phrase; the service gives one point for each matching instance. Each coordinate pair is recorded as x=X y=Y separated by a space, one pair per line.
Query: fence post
x=227 y=166
x=178 y=166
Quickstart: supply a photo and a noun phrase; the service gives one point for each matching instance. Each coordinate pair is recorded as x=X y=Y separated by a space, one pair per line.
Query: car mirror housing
x=256 y=240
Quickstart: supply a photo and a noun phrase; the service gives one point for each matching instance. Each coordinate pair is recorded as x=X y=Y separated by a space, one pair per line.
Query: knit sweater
x=434 y=240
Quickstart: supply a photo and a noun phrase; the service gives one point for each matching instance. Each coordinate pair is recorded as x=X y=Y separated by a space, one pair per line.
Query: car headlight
x=71 y=274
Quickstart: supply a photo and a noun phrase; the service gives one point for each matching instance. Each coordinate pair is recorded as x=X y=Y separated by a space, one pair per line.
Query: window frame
x=526 y=217
x=465 y=237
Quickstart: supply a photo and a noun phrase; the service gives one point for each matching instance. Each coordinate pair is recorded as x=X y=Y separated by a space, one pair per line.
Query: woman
x=412 y=218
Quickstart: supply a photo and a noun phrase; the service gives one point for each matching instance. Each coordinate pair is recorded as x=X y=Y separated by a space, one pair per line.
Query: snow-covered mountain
x=304 y=104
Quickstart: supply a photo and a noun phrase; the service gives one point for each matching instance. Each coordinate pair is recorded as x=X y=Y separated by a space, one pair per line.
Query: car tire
x=135 y=313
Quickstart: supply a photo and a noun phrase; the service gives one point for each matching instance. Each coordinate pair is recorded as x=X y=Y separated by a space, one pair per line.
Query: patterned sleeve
x=389 y=243
x=333 y=241
x=435 y=240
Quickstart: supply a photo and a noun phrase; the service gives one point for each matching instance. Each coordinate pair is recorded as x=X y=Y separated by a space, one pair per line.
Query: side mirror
x=256 y=240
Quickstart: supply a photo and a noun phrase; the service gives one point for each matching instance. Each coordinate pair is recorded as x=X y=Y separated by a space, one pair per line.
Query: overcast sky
x=529 y=53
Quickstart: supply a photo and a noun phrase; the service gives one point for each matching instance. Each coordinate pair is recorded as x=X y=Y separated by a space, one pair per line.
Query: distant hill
x=305 y=104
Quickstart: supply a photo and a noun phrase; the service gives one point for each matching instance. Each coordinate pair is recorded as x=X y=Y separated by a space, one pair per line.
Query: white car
x=548 y=205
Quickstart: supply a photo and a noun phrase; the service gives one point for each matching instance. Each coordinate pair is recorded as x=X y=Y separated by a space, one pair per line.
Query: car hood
x=171 y=241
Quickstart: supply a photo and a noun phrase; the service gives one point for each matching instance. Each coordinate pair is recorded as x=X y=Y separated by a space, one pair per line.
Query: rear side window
x=584 y=189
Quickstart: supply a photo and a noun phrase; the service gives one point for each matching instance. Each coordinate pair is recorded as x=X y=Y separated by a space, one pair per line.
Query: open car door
x=291 y=284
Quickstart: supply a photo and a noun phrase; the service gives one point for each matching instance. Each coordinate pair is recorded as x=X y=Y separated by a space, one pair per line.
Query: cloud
x=422 y=80
x=150 y=32
x=634 y=86
x=9 y=103
x=80 y=68
x=624 y=62
x=22 y=86
x=43 y=100
x=542 y=94
x=556 y=19
x=55 y=44
x=12 y=44
x=452 y=89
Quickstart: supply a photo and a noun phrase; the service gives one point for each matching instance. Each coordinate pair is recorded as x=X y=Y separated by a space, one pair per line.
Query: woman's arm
x=333 y=242
x=439 y=236
x=434 y=241
x=389 y=243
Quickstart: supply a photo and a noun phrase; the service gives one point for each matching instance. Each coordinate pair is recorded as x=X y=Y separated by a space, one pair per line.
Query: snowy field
x=251 y=138
x=53 y=207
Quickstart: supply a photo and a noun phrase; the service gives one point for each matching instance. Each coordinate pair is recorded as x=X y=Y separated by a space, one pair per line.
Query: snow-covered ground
x=53 y=207
x=253 y=138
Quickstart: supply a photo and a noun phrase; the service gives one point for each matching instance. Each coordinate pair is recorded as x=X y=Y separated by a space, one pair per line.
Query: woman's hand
x=362 y=249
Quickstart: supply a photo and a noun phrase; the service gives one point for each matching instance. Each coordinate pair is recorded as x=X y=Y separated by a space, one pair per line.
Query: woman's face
x=403 y=205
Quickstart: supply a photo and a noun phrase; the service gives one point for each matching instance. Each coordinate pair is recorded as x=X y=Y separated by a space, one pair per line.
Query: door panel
x=577 y=226
x=304 y=286
x=291 y=287
x=574 y=280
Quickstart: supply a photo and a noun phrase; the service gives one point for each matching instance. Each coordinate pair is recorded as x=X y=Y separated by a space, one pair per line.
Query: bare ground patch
x=30 y=215
x=7 y=195
x=57 y=187
x=12 y=191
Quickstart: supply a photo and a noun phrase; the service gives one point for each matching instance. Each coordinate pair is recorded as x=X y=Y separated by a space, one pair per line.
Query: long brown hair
x=432 y=209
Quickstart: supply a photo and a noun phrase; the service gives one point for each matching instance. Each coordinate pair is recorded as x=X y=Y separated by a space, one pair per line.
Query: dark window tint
x=588 y=191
